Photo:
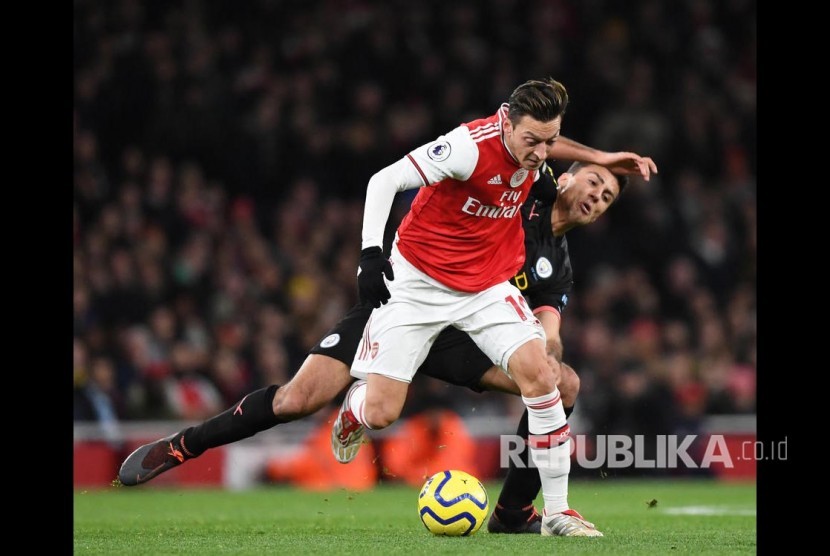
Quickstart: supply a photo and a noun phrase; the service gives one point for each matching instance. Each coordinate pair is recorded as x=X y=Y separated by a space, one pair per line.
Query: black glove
x=373 y=265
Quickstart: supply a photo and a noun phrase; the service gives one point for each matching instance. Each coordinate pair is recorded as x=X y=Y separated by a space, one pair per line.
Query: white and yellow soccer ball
x=453 y=503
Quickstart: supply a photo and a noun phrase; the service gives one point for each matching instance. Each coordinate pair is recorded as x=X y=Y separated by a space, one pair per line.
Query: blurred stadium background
x=221 y=153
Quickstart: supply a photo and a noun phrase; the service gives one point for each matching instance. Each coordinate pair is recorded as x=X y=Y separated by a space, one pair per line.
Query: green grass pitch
x=637 y=517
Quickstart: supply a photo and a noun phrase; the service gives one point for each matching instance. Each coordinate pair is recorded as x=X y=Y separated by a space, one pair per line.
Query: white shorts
x=398 y=335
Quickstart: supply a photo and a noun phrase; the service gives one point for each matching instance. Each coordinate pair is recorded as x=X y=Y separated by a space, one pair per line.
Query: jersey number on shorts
x=512 y=300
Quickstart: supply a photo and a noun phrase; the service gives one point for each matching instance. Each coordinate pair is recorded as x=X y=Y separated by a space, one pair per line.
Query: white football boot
x=347 y=433
x=568 y=524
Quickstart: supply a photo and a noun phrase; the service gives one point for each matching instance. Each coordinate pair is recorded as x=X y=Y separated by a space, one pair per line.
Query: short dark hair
x=622 y=180
x=541 y=99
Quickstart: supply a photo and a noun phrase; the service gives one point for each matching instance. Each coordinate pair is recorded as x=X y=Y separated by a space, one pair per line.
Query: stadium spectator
x=96 y=398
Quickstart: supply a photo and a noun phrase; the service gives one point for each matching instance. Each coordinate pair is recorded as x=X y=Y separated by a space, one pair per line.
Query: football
x=453 y=503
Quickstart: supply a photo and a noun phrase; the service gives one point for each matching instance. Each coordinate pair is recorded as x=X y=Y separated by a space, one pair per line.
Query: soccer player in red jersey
x=451 y=261
x=325 y=372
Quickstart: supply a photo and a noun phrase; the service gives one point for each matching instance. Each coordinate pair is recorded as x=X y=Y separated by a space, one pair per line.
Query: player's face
x=530 y=139
x=588 y=193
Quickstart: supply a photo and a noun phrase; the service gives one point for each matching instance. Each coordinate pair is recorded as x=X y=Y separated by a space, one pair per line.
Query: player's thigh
x=529 y=367
x=393 y=348
x=320 y=379
x=399 y=334
x=500 y=322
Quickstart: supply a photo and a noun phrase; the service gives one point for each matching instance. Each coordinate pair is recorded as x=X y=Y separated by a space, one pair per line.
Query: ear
x=565 y=181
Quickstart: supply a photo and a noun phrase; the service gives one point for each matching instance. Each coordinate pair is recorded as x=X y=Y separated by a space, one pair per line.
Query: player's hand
x=626 y=163
x=370 y=273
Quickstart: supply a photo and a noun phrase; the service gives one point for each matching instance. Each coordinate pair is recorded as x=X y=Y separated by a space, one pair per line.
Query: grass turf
x=637 y=517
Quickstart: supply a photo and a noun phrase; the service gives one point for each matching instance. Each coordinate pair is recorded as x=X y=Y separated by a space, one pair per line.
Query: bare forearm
x=553 y=344
x=555 y=349
x=568 y=149
x=620 y=162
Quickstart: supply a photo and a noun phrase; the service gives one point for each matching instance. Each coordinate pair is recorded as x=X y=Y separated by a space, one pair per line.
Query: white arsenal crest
x=518 y=177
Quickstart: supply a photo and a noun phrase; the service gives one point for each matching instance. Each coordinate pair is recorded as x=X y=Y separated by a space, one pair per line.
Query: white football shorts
x=398 y=335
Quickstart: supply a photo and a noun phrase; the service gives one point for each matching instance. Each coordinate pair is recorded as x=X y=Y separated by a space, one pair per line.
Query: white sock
x=550 y=450
x=357 y=402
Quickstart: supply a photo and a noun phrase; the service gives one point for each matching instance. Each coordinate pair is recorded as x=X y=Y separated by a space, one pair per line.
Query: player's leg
x=395 y=341
x=548 y=439
x=507 y=330
x=319 y=380
x=321 y=377
x=548 y=443
x=325 y=371
x=514 y=511
x=317 y=383
x=374 y=403
x=456 y=359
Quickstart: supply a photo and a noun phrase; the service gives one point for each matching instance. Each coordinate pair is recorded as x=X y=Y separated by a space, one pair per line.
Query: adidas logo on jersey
x=495 y=180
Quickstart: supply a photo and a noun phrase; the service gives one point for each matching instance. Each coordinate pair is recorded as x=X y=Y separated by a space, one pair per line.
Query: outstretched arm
x=550 y=322
x=623 y=163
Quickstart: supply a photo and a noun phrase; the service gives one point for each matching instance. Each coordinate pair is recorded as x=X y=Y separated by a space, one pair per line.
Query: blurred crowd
x=221 y=155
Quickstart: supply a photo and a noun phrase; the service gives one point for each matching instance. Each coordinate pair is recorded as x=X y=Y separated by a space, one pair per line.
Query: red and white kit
x=454 y=251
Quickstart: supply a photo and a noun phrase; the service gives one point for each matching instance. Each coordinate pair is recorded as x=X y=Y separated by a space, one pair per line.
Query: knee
x=292 y=403
x=533 y=372
x=542 y=381
x=568 y=385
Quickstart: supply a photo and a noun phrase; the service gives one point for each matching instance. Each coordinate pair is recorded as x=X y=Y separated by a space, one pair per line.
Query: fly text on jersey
x=508 y=208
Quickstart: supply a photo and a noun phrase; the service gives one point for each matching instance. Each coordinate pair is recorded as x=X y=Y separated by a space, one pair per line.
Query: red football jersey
x=464 y=228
